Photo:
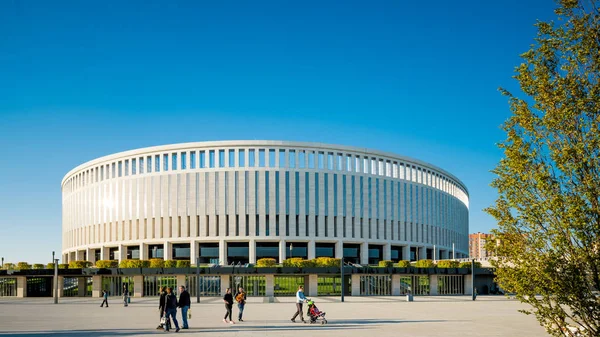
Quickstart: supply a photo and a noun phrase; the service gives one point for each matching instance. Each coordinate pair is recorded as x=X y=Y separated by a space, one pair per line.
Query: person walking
x=161 y=304
x=240 y=298
x=300 y=298
x=171 y=309
x=125 y=294
x=105 y=296
x=228 y=299
x=184 y=304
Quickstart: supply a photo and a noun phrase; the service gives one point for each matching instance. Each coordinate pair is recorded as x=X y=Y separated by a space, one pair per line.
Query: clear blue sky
x=81 y=79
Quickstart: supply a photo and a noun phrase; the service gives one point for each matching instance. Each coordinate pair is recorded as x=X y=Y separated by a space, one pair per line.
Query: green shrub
x=63 y=266
x=170 y=264
x=23 y=266
x=468 y=265
x=145 y=263
x=386 y=263
x=266 y=262
x=292 y=262
x=327 y=262
x=183 y=264
x=403 y=264
x=38 y=266
x=448 y=264
x=132 y=264
x=307 y=263
x=424 y=264
x=107 y=263
x=50 y=265
x=157 y=263
x=79 y=264
x=9 y=265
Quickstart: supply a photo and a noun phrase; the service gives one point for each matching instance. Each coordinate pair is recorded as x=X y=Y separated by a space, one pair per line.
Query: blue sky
x=80 y=79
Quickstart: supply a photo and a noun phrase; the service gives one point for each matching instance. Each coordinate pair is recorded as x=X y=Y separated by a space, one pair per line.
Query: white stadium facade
x=238 y=201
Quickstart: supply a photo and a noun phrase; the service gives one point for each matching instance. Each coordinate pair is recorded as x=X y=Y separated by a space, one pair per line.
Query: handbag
x=190 y=313
x=163 y=320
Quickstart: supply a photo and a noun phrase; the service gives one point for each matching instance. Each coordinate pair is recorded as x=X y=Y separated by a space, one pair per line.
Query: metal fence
x=152 y=284
x=114 y=285
x=286 y=285
x=420 y=285
x=375 y=285
x=71 y=286
x=8 y=286
x=451 y=285
x=255 y=285
x=405 y=284
x=209 y=285
x=329 y=285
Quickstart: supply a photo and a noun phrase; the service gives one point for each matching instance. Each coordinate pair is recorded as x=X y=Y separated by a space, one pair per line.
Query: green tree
x=548 y=208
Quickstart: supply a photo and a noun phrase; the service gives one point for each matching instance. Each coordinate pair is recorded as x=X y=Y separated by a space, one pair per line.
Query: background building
x=477 y=243
x=238 y=201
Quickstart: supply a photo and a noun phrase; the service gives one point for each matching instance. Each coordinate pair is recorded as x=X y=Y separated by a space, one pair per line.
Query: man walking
x=105 y=296
x=125 y=294
x=171 y=309
x=300 y=298
x=184 y=304
x=240 y=298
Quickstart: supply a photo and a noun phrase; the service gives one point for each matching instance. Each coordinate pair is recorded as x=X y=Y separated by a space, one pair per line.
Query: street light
x=291 y=250
x=55 y=279
x=342 y=272
x=198 y=279
x=2 y=262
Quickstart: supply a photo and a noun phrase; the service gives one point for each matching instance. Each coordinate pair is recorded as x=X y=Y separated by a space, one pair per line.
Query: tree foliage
x=548 y=208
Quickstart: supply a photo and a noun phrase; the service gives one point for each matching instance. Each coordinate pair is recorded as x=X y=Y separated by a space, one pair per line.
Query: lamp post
x=291 y=250
x=2 y=262
x=342 y=273
x=453 y=251
x=473 y=279
x=198 y=279
x=55 y=279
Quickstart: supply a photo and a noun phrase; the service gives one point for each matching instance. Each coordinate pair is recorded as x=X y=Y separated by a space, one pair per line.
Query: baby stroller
x=314 y=313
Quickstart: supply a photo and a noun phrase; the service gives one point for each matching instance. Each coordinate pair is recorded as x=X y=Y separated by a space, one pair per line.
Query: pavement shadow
x=92 y=333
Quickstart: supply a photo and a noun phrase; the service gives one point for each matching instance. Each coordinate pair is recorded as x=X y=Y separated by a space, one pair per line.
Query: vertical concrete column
x=339 y=249
x=122 y=253
x=252 y=251
x=222 y=253
x=313 y=282
x=406 y=252
x=91 y=257
x=167 y=250
x=104 y=253
x=193 y=252
x=77 y=255
x=143 y=251
x=181 y=281
x=433 y=284
x=224 y=283
x=96 y=286
x=387 y=252
x=282 y=251
x=21 y=286
x=364 y=253
x=395 y=285
x=468 y=286
x=355 y=280
x=138 y=286
x=81 y=286
x=422 y=253
x=311 y=249
x=269 y=285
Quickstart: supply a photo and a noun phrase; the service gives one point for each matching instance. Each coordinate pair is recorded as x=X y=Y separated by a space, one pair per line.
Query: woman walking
x=125 y=294
x=171 y=309
x=228 y=299
x=161 y=304
x=240 y=298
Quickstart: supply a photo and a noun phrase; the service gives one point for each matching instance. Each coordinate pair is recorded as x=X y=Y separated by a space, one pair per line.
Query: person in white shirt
x=300 y=298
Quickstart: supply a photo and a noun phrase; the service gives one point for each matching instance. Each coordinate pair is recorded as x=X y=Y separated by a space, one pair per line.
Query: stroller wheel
x=323 y=322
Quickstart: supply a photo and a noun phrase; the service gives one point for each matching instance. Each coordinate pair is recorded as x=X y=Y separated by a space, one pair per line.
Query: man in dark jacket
x=184 y=304
x=171 y=309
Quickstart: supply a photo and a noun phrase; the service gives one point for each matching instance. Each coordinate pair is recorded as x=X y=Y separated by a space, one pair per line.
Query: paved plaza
x=358 y=316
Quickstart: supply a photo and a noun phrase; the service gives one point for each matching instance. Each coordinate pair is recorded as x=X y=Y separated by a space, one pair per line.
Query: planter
x=290 y=270
x=266 y=270
x=130 y=271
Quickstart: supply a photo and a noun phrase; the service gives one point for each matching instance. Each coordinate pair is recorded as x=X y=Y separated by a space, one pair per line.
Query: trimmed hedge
x=424 y=264
x=448 y=264
x=134 y=264
x=468 y=265
x=386 y=263
x=79 y=264
x=50 y=265
x=266 y=262
x=38 y=266
x=107 y=263
x=63 y=266
x=403 y=264
x=157 y=263
x=327 y=262
x=183 y=263
x=292 y=262
x=170 y=264
x=23 y=266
